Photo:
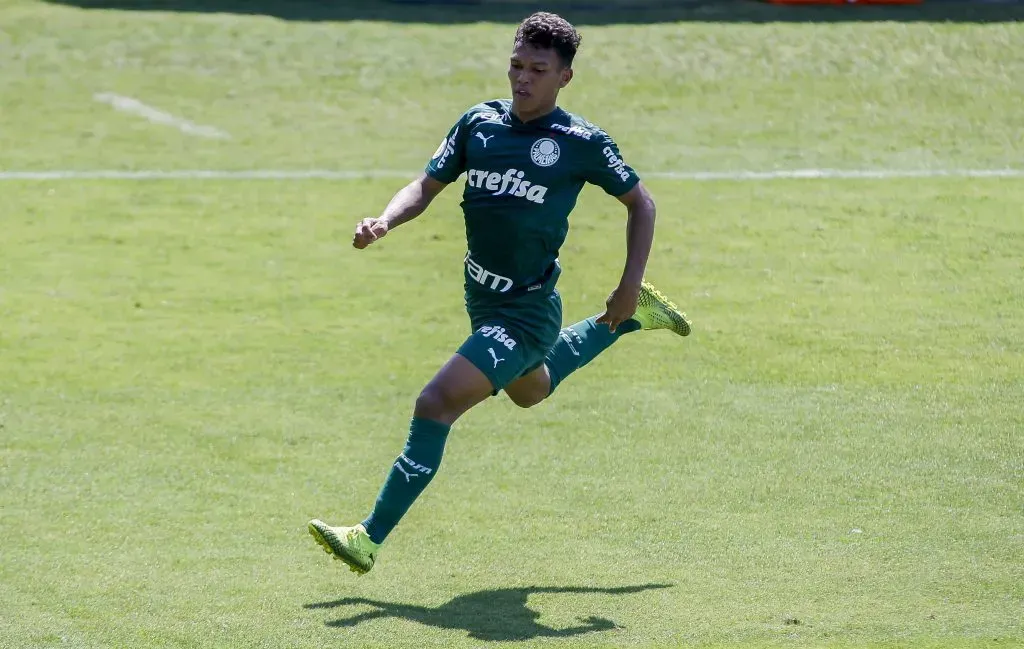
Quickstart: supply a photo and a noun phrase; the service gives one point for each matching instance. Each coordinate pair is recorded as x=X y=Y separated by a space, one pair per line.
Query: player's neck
x=529 y=116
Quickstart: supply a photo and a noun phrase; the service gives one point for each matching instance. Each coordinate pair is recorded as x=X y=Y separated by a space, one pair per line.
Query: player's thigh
x=457 y=387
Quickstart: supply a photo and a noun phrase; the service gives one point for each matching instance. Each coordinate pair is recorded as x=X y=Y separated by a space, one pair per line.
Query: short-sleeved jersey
x=522 y=181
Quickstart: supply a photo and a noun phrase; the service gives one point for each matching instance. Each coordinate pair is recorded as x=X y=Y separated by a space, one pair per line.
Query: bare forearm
x=639 y=239
x=407 y=204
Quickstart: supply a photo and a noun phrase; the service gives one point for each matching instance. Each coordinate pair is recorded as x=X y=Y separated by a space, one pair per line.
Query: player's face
x=536 y=75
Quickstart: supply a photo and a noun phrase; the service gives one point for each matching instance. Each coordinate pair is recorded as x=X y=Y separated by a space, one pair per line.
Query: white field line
x=136 y=107
x=329 y=174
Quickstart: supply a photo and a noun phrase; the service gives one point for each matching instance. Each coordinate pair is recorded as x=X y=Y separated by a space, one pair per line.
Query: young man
x=526 y=161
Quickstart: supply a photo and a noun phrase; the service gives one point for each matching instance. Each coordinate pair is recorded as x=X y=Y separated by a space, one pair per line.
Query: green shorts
x=511 y=338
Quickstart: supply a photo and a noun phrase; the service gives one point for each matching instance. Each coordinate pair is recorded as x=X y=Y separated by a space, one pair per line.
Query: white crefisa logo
x=499 y=336
x=544 y=152
x=615 y=163
x=483 y=276
x=510 y=183
x=577 y=131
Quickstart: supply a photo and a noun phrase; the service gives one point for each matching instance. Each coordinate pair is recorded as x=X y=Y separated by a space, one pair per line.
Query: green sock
x=409 y=476
x=579 y=344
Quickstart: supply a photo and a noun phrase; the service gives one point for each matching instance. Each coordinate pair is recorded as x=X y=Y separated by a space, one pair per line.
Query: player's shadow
x=493 y=615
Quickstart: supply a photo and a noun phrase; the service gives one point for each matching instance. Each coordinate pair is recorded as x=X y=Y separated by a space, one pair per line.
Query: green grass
x=191 y=370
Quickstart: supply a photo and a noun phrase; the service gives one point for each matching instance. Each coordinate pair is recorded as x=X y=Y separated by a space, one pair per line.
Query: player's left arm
x=410 y=201
x=606 y=168
x=641 y=213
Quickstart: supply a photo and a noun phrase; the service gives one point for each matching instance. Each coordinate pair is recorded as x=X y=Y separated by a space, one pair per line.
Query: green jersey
x=522 y=181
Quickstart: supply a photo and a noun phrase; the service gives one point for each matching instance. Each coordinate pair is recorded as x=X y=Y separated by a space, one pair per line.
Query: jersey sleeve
x=449 y=161
x=606 y=168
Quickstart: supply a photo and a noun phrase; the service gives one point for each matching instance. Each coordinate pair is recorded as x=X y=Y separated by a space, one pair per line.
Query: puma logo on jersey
x=499 y=336
x=483 y=138
x=510 y=183
x=615 y=163
x=495 y=357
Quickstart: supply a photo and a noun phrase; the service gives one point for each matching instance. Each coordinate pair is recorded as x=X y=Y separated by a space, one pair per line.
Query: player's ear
x=566 y=77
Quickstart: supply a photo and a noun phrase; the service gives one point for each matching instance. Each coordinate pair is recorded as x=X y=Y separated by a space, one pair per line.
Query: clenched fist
x=368 y=231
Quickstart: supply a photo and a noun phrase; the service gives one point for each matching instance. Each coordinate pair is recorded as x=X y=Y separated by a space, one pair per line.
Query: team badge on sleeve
x=440 y=149
x=544 y=152
x=445 y=149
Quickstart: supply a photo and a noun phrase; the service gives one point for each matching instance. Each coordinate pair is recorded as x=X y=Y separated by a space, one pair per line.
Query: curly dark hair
x=550 y=31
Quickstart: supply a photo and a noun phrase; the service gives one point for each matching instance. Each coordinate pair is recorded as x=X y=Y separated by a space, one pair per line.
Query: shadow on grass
x=494 y=615
x=581 y=12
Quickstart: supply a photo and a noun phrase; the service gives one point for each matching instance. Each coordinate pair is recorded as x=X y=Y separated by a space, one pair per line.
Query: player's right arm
x=410 y=201
x=446 y=165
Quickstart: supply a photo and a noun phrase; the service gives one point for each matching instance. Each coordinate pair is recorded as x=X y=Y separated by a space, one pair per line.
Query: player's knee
x=432 y=403
x=527 y=399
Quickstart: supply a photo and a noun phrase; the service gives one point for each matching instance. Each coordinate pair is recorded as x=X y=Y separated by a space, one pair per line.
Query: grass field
x=192 y=369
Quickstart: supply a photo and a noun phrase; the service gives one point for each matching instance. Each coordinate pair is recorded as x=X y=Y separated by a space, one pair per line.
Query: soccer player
x=525 y=161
